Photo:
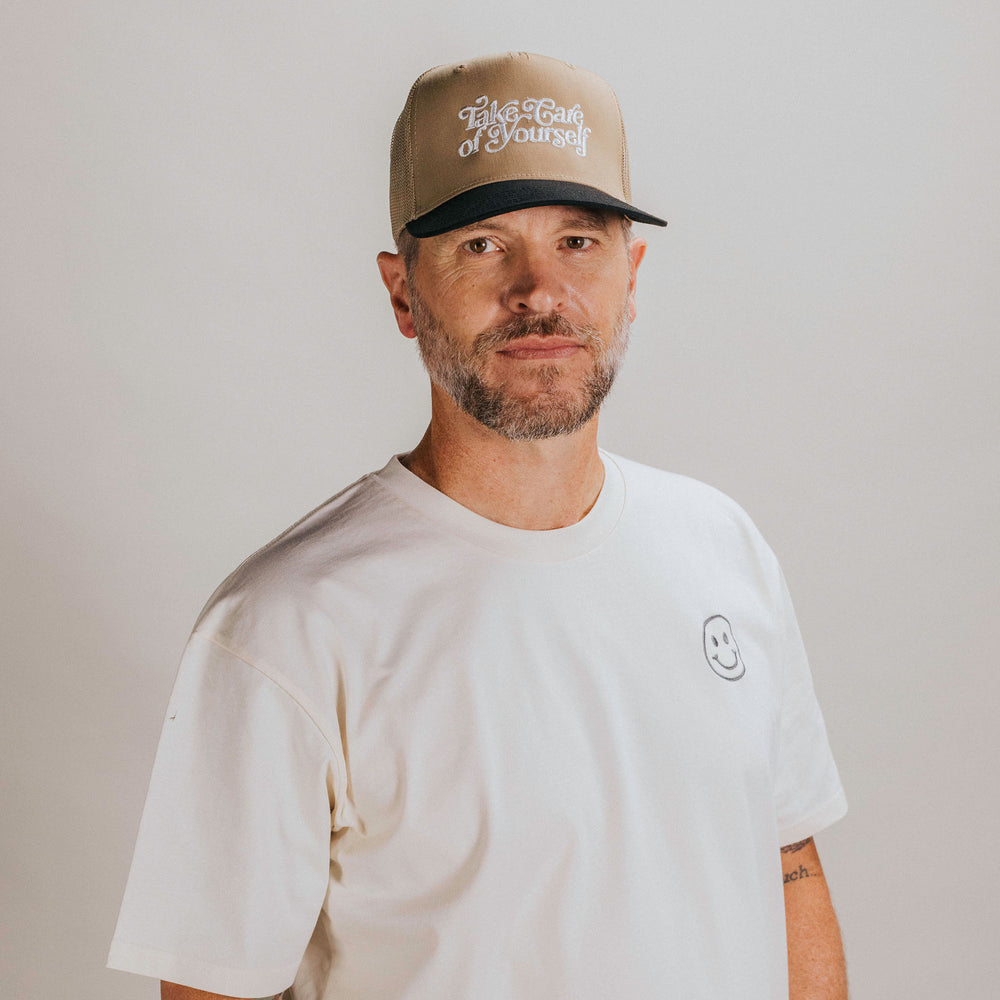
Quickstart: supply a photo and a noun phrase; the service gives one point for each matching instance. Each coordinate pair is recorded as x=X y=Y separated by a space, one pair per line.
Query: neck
x=536 y=485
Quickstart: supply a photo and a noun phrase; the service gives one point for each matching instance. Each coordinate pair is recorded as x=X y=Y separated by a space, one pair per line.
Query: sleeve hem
x=197 y=974
x=833 y=809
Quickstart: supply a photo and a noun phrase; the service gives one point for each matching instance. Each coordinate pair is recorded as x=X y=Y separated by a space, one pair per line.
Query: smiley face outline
x=720 y=646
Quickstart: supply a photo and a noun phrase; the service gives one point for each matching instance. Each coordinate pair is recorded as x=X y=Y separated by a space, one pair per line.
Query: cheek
x=608 y=294
x=451 y=282
x=466 y=305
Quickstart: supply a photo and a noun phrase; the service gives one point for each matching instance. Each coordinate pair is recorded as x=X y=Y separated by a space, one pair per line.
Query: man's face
x=523 y=320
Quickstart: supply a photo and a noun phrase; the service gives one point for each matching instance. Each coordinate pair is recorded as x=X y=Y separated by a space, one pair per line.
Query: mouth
x=540 y=348
x=732 y=666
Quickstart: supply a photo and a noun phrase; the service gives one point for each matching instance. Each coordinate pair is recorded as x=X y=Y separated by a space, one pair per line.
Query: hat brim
x=488 y=200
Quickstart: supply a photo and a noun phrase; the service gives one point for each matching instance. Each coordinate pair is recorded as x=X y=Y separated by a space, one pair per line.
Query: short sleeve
x=231 y=864
x=807 y=788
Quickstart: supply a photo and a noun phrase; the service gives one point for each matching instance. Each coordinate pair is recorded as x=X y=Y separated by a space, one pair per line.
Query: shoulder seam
x=280 y=683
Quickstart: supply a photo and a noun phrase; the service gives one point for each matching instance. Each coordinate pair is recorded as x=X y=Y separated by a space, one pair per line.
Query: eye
x=725 y=638
x=578 y=242
x=715 y=642
x=480 y=245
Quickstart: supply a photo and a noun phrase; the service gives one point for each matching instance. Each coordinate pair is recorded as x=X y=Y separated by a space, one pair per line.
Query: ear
x=636 y=251
x=393 y=270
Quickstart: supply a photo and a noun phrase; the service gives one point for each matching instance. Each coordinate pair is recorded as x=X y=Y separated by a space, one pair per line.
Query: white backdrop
x=196 y=349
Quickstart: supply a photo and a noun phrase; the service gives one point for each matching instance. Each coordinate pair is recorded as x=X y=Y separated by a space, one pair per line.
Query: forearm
x=172 y=991
x=816 y=967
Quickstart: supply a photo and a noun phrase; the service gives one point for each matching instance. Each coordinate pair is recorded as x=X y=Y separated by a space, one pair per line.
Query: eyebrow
x=594 y=221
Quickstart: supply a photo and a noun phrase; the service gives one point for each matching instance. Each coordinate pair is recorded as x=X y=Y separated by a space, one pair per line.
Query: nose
x=536 y=284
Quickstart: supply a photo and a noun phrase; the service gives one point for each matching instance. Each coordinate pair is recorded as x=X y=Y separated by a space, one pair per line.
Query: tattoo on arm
x=790 y=874
x=793 y=848
x=796 y=876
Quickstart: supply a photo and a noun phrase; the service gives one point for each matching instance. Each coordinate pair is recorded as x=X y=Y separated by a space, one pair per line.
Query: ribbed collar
x=555 y=545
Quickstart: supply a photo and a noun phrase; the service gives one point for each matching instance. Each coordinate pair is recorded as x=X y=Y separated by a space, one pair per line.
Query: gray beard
x=548 y=412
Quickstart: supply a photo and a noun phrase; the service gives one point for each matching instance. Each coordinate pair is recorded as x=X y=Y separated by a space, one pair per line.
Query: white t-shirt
x=412 y=753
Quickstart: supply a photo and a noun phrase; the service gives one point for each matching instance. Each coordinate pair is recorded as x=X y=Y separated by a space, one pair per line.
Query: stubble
x=551 y=405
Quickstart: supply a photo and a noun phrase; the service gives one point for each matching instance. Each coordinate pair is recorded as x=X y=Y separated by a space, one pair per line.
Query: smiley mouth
x=733 y=666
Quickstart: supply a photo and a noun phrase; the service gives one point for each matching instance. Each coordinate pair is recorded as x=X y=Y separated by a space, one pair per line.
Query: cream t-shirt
x=412 y=753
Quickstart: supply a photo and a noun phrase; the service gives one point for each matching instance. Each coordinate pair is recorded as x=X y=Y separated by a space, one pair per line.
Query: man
x=511 y=718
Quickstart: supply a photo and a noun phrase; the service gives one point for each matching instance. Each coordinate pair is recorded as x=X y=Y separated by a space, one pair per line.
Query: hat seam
x=409 y=107
x=410 y=128
x=623 y=151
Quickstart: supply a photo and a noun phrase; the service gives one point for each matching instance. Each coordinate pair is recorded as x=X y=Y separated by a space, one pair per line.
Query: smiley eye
x=715 y=642
x=725 y=638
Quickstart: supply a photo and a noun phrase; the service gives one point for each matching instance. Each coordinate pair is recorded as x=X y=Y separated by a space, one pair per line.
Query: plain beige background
x=196 y=349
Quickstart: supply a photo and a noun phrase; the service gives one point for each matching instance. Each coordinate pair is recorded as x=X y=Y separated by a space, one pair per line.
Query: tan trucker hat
x=502 y=133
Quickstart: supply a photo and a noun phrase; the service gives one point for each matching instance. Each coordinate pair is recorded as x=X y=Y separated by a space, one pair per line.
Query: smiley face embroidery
x=721 y=651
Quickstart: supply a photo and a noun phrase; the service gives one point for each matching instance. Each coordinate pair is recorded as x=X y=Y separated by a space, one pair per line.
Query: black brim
x=510 y=196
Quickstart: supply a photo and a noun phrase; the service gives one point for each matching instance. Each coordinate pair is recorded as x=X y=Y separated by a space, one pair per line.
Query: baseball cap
x=500 y=133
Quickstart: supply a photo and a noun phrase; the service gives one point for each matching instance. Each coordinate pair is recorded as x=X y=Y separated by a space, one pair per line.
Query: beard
x=551 y=406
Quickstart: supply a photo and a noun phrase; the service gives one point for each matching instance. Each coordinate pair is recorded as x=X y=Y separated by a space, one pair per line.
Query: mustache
x=550 y=325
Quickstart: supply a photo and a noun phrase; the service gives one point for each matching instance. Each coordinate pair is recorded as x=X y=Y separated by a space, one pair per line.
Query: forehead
x=541 y=218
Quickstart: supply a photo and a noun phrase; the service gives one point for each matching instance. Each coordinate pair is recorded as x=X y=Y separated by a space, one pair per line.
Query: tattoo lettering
x=802 y=873
x=793 y=848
